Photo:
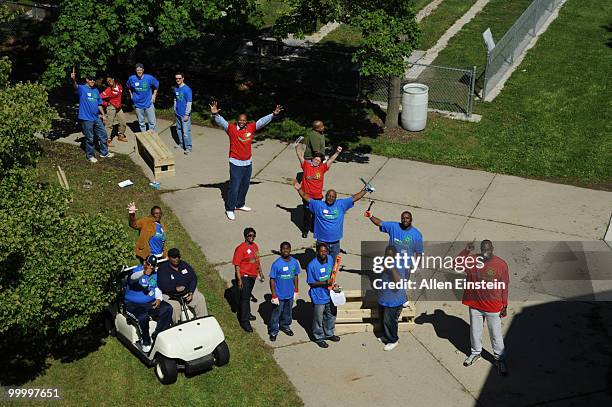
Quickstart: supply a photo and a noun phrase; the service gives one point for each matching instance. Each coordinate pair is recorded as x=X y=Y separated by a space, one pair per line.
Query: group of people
x=324 y=216
x=98 y=111
x=155 y=286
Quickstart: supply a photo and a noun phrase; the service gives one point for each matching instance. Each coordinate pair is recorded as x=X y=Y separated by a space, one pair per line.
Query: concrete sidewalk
x=449 y=205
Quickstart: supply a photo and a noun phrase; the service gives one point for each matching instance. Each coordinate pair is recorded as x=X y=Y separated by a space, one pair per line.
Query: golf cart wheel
x=221 y=354
x=109 y=324
x=165 y=369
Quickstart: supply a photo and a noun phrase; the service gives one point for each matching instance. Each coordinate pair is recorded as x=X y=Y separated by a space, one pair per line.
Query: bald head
x=318 y=125
x=330 y=197
x=242 y=120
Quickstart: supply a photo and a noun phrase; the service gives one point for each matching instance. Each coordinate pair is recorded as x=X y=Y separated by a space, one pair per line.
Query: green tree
x=89 y=33
x=54 y=267
x=389 y=35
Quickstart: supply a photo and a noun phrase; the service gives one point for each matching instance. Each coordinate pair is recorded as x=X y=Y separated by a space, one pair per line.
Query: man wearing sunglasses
x=182 y=110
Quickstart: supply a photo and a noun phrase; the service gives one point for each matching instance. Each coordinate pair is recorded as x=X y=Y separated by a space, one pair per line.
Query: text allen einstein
x=433 y=284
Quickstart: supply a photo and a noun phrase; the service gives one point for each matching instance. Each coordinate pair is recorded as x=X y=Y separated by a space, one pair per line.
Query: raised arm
x=261 y=123
x=300 y=153
x=221 y=122
x=73 y=77
x=377 y=221
x=298 y=188
x=359 y=195
x=331 y=159
x=132 y=215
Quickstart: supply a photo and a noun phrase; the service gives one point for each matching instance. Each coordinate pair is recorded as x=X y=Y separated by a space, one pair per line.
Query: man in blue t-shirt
x=390 y=299
x=284 y=288
x=90 y=112
x=329 y=216
x=318 y=276
x=405 y=237
x=143 y=299
x=143 y=91
x=182 y=110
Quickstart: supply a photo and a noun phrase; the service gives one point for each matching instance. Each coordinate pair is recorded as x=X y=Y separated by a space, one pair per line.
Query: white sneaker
x=92 y=159
x=390 y=346
x=146 y=348
x=244 y=208
x=108 y=155
x=230 y=215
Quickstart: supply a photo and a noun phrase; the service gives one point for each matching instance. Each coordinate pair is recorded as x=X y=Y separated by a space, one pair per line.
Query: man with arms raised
x=240 y=156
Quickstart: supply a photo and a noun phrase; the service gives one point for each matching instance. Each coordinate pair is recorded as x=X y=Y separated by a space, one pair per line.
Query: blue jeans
x=142 y=313
x=390 y=318
x=281 y=316
x=149 y=112
x=334 y=248
x=183 y=131
x=240 y=178
x=94 y=129
x=323 y=321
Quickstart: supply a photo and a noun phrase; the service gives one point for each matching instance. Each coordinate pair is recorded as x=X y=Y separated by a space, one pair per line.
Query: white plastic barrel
x=414 y=106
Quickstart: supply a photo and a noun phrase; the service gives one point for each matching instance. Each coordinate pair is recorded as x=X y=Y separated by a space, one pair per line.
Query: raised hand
x=296 y=185
x=132 y=207
x=470 y=245
x=213 y=107
x=277 y=110
x=339 y=149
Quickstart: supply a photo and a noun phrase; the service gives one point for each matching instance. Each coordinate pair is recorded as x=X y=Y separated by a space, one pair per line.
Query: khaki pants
x=197 y=304
x=111 y=114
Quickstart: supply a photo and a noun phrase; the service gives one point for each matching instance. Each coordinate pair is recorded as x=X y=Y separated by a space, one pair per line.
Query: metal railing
x=450 y=89
x=501 y=58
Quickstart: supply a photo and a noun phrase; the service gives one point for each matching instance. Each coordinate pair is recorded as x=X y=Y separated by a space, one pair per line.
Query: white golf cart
x=193 y=345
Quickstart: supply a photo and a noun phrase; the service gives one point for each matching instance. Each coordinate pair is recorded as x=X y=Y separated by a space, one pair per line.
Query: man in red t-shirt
x=312 y=180
x=241 y=136
x=488 y=304
x=247 y=268
x=111 y=101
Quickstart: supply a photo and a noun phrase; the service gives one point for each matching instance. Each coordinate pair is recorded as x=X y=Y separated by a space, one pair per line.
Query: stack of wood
x=360 y=314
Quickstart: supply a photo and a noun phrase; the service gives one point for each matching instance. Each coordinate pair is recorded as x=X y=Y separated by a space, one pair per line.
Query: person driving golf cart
x=177 y=278
x=143 y=299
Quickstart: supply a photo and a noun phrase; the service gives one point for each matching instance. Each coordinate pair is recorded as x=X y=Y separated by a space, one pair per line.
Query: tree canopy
x=89 y=33
x=389 y=29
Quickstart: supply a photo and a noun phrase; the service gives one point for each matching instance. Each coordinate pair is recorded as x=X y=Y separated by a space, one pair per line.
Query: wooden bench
x=155 y=153
x=360 y=314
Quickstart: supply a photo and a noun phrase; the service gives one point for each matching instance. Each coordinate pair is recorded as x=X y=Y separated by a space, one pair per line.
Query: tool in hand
x=368 y=187
x=369 y=208
x=299 y=140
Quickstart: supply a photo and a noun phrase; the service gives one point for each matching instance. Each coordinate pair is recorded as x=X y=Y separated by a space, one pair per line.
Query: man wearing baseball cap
x=177 y=277
x=143 y=299
x=143 y=91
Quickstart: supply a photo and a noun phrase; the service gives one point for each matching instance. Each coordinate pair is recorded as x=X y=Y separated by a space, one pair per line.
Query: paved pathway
x=449 y=205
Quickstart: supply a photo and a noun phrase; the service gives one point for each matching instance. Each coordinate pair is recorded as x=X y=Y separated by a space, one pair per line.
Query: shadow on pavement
x=302 y=313
x=296 y=215
x=559 y=353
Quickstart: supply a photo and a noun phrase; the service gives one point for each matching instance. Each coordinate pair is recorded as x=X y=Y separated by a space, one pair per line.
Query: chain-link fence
x=501 y=58
x=450 y=89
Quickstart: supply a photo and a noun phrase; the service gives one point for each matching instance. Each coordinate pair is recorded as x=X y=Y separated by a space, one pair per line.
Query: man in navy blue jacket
x=177 y=277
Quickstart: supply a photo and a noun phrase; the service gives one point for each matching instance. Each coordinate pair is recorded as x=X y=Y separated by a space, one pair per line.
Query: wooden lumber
x=155 y=152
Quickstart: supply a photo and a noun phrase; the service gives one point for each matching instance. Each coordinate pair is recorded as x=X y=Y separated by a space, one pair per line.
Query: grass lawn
x=553 y=118
x=440 y=20
x=432 y=26
x=467 y=48
x=110 y=374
